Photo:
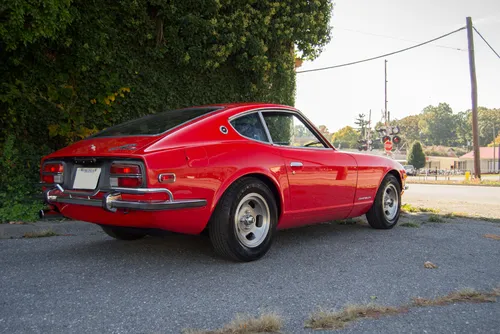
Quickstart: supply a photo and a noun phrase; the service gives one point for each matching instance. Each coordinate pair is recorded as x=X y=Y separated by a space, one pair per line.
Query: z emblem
x=92 y=147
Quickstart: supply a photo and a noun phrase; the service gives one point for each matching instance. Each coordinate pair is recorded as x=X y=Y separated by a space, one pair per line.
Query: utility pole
x=473 y=82
x=385 y=99
x=494 y=149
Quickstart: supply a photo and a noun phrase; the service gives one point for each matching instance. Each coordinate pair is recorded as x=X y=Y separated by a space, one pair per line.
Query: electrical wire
x=486 y=42
x=384 y=55
x=399 y=39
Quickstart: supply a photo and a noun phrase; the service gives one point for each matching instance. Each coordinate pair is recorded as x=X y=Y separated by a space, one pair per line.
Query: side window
x=288 y=130
x=250 y=126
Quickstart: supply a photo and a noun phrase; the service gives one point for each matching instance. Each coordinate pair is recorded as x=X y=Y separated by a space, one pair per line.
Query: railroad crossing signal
x=390 y=133
x=388 y=146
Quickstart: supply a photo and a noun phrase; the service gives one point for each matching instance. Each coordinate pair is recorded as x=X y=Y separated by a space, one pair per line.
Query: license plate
x=86 y=178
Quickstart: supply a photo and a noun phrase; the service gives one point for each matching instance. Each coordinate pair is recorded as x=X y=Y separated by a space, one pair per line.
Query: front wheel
x=244 y=221
x=384 y=214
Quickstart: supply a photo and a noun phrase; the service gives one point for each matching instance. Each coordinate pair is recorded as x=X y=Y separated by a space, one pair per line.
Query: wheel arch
x=268 y=180
x=397 y=175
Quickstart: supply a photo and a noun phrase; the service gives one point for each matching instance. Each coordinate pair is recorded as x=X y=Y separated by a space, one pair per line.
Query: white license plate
x=86 y=178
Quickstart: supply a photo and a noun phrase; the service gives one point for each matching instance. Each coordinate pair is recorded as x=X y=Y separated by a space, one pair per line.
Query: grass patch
x=322 y=319
x=410 y=224
x=41 y=234
x=414 y=209
x=461 y=296
x=330 y=320
x=435 y=219
x=265 y=323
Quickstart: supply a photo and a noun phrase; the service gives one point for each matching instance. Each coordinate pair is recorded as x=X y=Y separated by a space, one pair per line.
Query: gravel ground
x=91 y=283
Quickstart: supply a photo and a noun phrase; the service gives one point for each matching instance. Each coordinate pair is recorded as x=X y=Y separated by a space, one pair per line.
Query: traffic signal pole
x=473 y=83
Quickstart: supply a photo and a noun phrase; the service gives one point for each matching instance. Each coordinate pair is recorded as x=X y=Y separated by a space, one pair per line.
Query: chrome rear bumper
x=112 y=201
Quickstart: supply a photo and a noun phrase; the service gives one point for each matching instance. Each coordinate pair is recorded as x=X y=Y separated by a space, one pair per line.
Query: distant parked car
x=237 y=172
x=410 y=170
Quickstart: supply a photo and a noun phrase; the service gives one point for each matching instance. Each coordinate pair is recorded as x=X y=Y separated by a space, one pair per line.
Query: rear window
x=156 y=123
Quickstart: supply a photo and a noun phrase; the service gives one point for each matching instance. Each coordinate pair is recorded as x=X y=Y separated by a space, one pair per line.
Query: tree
x=488 y=123
x=361 y=123
x=416 y=156
x=496 y=143
x=324 y=131
x=438 y=124
x=347 y=137
x=463 y=123
x=410 y=131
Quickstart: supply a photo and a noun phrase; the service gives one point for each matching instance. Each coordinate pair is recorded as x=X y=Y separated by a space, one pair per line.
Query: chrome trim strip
x=132 y=191
x=112 y=201
x=163 y=174
x=263 y=122
x=309 y=125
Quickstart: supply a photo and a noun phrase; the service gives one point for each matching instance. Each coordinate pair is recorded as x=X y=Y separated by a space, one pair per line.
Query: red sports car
x=238 y=172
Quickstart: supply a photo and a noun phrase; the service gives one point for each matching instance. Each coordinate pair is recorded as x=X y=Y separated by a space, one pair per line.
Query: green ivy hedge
x=72 y=67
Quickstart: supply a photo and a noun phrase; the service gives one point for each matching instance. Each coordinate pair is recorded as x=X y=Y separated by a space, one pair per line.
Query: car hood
x=106 y=146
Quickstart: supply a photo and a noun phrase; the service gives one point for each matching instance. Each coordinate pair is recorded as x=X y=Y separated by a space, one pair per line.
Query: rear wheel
x=123 y=233
x=384 y=214
x=244 y=222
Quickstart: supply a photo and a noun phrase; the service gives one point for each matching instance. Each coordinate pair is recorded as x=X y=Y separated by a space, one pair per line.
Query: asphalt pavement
x=90 y=283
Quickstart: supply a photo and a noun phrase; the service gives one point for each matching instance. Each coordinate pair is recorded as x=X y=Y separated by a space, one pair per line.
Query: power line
x=384 y=55
x=486 y=42
x=399 y=39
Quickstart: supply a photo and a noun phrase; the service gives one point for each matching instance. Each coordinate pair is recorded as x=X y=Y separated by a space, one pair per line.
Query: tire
x=386 y=216
x=244 y=221
x=122 y=233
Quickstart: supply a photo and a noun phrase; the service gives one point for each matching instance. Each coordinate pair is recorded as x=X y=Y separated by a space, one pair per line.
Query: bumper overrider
x=112 y=199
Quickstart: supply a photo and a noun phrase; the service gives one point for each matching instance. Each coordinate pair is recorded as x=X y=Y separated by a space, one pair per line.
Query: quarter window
x=288 y=130
x=250 y=126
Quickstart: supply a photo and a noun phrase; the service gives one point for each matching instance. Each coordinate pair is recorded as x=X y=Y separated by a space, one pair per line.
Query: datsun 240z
x=238 y=172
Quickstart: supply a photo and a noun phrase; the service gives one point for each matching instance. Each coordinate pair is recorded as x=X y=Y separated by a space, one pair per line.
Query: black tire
x=227 y=238
x=377 y=216
x=123 y=233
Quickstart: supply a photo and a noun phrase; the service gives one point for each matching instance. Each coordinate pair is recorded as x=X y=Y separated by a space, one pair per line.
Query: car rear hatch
x=87 y=165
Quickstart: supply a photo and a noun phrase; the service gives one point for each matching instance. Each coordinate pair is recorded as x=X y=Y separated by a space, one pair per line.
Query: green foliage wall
x=72 y=67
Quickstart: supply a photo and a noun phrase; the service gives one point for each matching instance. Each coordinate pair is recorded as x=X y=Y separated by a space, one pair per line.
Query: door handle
x=296 y=164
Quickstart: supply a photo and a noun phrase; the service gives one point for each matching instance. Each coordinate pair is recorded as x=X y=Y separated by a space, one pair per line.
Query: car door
x=322 y=181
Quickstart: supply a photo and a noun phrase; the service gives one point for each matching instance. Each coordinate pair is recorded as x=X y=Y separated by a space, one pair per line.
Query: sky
x=428 y=75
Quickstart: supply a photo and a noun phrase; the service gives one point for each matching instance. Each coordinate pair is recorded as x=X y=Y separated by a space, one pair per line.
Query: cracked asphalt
x=91 y=283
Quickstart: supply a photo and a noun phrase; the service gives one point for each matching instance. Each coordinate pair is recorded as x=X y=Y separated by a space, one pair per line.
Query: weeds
x=436 y=219
x=410 y=224
x=265 y=323
x=337 y=320
x=41 y=234
x=461 y=296
x=414 y=209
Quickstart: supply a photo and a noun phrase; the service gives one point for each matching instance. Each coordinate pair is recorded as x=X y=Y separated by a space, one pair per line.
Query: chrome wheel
x=252 y=220
x=390 y=202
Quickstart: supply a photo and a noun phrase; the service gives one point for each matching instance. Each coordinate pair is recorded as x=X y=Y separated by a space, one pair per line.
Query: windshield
x=156 y=123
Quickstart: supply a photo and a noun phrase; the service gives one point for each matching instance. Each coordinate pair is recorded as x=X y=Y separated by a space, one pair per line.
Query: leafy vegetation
x=347 y=137
x=416 y=156
x=72 y=67
x=439 y=125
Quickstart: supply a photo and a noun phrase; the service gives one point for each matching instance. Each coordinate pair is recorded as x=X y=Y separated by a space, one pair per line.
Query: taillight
x=53 y=172
x=125 y=175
